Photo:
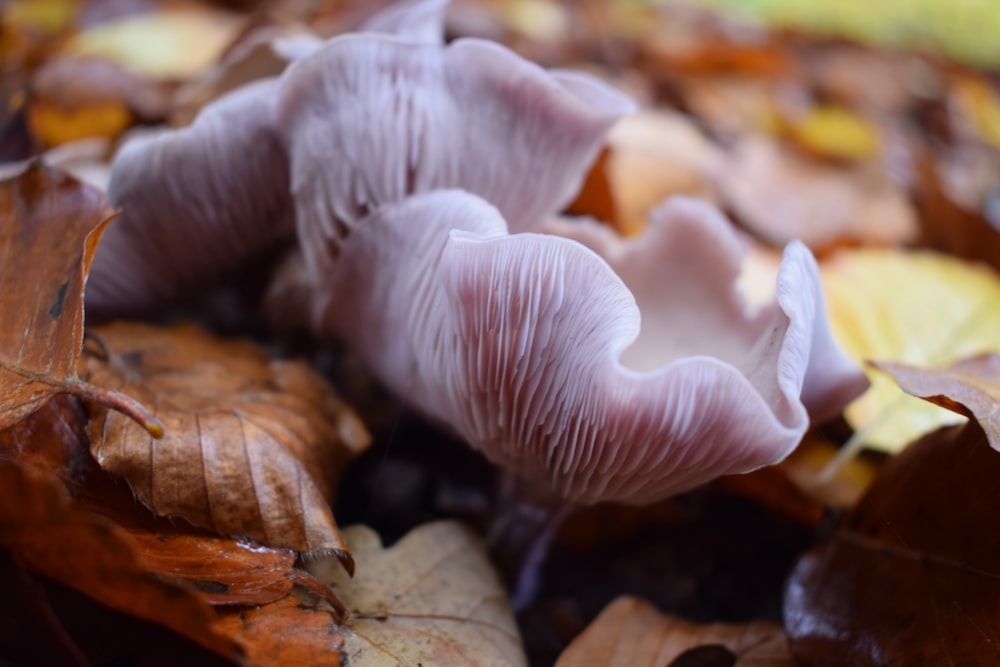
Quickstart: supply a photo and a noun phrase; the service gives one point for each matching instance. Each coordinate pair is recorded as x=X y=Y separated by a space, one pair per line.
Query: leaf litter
x=729 y=84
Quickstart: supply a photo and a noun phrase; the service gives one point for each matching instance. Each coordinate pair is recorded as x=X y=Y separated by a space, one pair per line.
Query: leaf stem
x=115 y=400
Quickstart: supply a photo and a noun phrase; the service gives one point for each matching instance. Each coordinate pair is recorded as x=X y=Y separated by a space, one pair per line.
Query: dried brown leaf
x=781 y=196
x=912 y=576
x=432 y=599
x=50 y=225
x=91 y=554
x=954 y=227
x=226 y=571
x=970 y=387
x=631 y=631
x=251 y=444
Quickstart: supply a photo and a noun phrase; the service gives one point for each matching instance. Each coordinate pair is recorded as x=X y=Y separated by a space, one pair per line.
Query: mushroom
x=414 y=176
x=363 y=120
x=530 y=347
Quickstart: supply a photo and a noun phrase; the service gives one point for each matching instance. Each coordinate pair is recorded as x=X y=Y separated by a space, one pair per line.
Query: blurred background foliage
x=963 y=29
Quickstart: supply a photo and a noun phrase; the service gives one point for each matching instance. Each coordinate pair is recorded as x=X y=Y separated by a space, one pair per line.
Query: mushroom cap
x=362 y=120
x=523 y=344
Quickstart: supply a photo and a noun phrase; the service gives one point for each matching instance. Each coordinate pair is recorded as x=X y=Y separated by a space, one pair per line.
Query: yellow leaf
x=46 y=16
x=54 y=125
x=981 y=104
x=432 y=598
x=543 y=20
x=162 y=45
x=836 y=133
x=919 y=308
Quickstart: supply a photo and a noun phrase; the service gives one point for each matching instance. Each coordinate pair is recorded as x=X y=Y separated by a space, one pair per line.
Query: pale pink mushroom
x=530 y=346
x=364 y=120
x=412 y=175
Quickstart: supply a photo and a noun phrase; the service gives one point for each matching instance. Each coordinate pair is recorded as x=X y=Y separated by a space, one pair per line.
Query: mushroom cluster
x=422 y=181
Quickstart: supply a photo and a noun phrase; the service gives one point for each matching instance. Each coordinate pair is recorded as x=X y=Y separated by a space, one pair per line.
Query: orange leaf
x=91 y=554
x=286 y=633
x=631 y=631
x=226 y=571
x=51 y=227
x=54 y=125
x=251 y=444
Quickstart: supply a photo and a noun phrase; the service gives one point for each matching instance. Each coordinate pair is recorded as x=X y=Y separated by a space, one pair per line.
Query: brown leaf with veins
x=631 y=631
x=912 y=576
x=432 y=598
x=251 y=444
x=226 y=571
x=93 y=555
x=50 y=225
x=969 y=386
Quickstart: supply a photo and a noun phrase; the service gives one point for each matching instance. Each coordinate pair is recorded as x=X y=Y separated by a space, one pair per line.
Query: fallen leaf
x=595 y=198
x=979 y=103
x=970 y=387
x=54 y=125
x=432 y=599
x=166 y=44
x=782 y=196
x=631 y=631
x=52 y=440
x=83 y=159
x=75 y=97
x=225 y=571
x=882 y=82
x=91 y=554
x=653 y=155
x=918 y=308
x=263 y=52
x=46 y=16
x=287 y=632
x=251 y=444
x=808 y=467
x=51 y=225
x=835 y=133
x=913 y=574
x=959 y=228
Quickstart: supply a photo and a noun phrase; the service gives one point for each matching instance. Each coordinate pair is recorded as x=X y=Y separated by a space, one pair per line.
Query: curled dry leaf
x=251 y=444
x=970 y=387
x=631 y=631
x=51 y=225
x=781 y=196
x=912 y=576
x=918 y=308
x=91 y=554
x=432 y=598
x=54 y=440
